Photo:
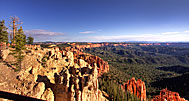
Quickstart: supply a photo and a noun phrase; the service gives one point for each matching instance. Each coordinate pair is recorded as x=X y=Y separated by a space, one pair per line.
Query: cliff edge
x=51 y=74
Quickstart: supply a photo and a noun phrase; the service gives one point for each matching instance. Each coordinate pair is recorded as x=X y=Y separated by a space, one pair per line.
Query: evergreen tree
x=20 y=41
x=30 y=40
x=114 y=90
x=3 y=32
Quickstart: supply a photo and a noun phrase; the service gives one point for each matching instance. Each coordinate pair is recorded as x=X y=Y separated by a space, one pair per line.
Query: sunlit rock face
x=90 y=45
x=82 y=58
x=4 y=53
x=136 y=87
x=51 y=74
x=102 y=65
x=166 y=95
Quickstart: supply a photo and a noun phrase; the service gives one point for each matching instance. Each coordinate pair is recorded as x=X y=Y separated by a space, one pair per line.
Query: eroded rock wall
x=82 y=58
x=91 y=45
x=137 y=88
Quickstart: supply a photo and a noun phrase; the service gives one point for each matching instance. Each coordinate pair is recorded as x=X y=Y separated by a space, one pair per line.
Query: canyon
x=65 y=74
x=93 y=45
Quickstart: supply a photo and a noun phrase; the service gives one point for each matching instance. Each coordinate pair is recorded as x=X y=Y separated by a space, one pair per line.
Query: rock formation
x=82 y=58
x=4 y=53
x=166 y=95
x=102 y=65
x=32 y=46
x=51 y=74
x=90 y=45
x=135 y=87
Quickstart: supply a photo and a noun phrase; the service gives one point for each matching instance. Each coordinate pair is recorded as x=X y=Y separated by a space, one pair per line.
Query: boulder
x=48 y=95
x=4 y=53
x=37 y=90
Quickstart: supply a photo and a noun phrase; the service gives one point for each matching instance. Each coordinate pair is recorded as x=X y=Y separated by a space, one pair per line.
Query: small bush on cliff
x=30 y=40
x=43 y=61
x=64 y=45
x=19 y=46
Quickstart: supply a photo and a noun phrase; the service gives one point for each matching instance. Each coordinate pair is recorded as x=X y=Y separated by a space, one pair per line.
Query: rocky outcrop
x=51 y=74
x=4 y=53
x=37 y=90
x=102 y=65
x=166 y=95
x=82 y=58
x=32 y=46
x=48 y=95
x=135 y=87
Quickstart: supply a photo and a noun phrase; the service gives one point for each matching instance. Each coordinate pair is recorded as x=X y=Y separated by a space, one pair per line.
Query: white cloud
x=41 y=32
x=43 y=35
x=181 y=37
x=87 y=32
x=170 y=33
x=161 y=37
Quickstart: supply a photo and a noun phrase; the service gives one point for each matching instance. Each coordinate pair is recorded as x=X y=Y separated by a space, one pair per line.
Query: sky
x=100 y=20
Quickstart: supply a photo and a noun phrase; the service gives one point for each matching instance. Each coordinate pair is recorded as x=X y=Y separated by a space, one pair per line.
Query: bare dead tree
x=14 y=23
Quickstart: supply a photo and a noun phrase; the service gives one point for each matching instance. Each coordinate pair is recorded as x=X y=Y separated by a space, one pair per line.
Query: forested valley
x=158 y=66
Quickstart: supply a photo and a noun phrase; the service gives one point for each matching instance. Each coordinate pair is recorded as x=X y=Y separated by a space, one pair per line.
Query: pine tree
x=20 y=41
x=30 y=40
x=3 y=32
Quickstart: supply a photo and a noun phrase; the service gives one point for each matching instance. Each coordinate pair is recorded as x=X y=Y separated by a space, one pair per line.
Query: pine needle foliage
x=19 y=46
x=3 y=32
x=30 y=40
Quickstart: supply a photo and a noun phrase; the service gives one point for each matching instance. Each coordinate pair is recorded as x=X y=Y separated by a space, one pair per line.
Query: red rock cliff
x=136 y=87
x=102 y=65
x=90 y=45
x=166 y=95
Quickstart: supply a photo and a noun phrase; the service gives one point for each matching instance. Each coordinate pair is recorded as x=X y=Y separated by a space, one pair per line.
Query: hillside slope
x=51 y=74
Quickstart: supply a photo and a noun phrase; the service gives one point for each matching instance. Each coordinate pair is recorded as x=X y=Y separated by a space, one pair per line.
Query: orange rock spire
x=136 y=87
x=166 y=95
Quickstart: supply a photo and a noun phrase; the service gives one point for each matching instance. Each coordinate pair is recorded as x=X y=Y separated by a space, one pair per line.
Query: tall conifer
x=19 y=46
x=3 y=32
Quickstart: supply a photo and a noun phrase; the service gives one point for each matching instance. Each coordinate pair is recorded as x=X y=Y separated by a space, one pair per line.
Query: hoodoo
x=166 y=95
x=136 y=87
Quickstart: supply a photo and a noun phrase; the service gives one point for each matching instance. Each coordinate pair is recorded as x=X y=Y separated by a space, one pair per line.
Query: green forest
x=158 y=66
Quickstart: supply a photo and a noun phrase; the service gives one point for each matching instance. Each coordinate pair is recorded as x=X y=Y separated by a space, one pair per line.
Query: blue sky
x=101 y=20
